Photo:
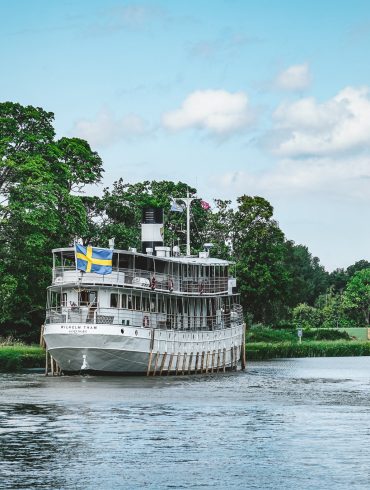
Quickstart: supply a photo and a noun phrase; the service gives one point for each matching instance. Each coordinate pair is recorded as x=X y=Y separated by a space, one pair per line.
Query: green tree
x=258 y=247
x=356 y=297
x=218 y=229
x=307 y=279
x=305 y=316
x=38 y=211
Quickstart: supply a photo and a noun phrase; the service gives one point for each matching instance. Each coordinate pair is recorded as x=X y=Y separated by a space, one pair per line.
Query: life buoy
x=170 y=285
x=146 y=321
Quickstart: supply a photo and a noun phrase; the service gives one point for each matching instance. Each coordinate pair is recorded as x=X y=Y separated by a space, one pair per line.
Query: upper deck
x=188 y=275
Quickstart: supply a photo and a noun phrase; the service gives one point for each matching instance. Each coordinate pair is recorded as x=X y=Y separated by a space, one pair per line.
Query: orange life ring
x=146 y=321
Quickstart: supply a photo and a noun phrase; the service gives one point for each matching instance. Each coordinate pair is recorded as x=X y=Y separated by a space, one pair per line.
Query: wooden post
x=218 y=360
x=162 y=363
x=52 y=365
x=46 y=362
x=243 y=353
x=213 y=360
x=152 y=335
x=177 y=362
x=149 y=363
x=196 y=362
x=224 y=359
x=190 y=361
x=183 y=363
x=42 y=340
x=202 y=362
x=207 y=361
x=232 y=358
x=156 y=363
x=170 y=364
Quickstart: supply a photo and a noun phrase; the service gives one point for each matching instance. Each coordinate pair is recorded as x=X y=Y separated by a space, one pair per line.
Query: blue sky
x=266 y=98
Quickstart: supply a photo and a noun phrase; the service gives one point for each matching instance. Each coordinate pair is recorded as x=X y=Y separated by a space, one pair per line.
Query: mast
x=187 y=200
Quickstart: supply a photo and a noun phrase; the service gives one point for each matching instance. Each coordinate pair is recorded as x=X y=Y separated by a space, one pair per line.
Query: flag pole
x=74 y=246
x=187 y=224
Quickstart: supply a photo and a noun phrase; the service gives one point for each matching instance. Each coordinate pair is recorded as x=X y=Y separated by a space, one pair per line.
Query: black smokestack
x=151 y=228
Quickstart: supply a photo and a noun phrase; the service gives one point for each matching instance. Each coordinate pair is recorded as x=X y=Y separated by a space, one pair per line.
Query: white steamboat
x=156 y=313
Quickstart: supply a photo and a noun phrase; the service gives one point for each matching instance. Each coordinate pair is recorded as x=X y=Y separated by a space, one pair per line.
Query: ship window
x=124 y=301
x=145 y=303
x=55 y=299
x=114 y=300
x=64 y=299
x=137 y=302
x=161 y=304
x=152 y=302
x=86 y=297
x=123 y=262
x=179 y=306
x=129 y=302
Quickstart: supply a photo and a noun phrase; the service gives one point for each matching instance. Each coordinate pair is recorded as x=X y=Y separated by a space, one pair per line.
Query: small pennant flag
x=205 y=205
x=177 y=208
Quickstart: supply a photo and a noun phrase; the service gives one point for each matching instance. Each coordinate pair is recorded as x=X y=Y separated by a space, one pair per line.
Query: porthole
x=136 y=332
x=122 y=330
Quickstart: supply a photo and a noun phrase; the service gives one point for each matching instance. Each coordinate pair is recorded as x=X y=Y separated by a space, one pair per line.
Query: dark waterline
x=297 y=423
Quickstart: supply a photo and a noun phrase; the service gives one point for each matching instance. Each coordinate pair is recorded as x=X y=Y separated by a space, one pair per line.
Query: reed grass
x=259 y=351
x=14 y=358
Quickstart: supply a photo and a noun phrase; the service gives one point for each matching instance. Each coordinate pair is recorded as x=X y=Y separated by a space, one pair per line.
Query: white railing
x=144 y=280
x=118 y=316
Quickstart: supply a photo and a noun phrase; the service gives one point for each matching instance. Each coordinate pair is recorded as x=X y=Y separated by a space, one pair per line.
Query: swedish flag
x=91 y=259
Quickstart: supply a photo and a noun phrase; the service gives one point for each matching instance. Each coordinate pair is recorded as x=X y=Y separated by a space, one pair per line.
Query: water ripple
x=285 y=424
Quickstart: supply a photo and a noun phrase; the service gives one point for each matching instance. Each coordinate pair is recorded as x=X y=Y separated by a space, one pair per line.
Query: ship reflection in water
x=284 y=424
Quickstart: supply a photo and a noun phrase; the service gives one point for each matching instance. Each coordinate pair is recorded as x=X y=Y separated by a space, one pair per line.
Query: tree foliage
x=38 y=211
x=357 y=295
x=258 y=247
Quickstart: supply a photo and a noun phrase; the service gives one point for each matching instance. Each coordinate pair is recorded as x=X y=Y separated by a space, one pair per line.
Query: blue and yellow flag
x=91 y=259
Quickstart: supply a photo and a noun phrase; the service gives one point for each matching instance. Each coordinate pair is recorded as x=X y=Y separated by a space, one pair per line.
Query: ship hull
x=137 y=350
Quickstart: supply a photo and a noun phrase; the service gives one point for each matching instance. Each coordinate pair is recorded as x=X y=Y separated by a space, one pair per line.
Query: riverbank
x=19 y=357
x=260 y=351
x=14 y=358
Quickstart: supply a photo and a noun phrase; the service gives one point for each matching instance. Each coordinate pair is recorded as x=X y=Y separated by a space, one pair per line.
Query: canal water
x=285 y=424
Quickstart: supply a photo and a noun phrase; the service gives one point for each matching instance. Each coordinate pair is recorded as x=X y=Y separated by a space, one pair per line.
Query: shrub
x=263 y=334
x=325 y=334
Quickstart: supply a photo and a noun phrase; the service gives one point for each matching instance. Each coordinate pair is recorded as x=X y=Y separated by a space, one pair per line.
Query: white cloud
x=294 y=78
x=105 y=129
x=348 y=178
x=218 y=112
x=134 y=15
x=334 y=127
